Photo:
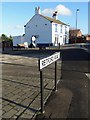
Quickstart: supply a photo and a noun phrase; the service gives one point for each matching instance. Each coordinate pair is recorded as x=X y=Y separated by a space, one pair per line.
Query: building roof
x=48 y=18
x=53 y=20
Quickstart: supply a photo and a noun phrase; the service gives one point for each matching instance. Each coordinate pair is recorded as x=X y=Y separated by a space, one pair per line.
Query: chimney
x=55 y=15
x=37 y=10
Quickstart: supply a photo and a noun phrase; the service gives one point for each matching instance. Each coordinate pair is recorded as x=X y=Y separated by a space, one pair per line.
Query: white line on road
x=88 y=75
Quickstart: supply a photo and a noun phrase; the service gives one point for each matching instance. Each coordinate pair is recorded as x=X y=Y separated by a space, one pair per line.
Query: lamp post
x=77 y=10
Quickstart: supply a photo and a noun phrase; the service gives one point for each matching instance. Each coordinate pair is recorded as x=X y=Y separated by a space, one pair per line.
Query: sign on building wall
x=33 y=38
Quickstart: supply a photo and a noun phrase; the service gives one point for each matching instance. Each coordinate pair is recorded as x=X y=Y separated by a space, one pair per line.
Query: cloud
x=47 y=11
x=61 y=9
x=8 y=26
x=18 y=27
x=14 y=30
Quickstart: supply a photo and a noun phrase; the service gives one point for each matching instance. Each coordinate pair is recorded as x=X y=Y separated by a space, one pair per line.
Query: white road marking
x=88 y=75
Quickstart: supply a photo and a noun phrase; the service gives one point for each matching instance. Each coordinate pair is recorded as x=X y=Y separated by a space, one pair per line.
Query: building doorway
x=56 y=42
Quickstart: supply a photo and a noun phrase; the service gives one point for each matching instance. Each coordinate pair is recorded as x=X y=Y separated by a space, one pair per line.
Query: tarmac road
x=76 y=63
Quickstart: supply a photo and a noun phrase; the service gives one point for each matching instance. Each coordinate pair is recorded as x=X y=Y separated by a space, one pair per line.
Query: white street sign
x=48 y=60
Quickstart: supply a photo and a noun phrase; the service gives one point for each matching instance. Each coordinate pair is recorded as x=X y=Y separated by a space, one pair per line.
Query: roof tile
x=53 y=20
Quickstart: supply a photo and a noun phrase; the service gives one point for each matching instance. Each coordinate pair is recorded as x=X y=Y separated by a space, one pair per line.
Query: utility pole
x=77 y=10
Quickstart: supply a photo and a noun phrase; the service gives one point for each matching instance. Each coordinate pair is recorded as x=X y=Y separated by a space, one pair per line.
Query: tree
x=4 y=37
x=10 y=38
x=6 y=41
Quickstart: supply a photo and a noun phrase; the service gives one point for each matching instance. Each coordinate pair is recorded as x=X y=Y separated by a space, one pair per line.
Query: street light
x=77 y=10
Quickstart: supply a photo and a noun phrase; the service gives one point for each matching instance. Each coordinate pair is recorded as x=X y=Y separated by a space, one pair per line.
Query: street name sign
x=42 y=64
x=49 y=60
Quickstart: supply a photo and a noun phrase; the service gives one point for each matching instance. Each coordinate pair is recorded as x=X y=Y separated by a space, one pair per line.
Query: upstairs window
x=60 y=28
x=56 y=29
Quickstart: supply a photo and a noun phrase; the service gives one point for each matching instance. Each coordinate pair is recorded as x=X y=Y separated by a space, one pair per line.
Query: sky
x=14 y=15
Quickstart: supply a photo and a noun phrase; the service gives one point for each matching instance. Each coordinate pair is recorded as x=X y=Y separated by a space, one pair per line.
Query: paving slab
x=21 y=86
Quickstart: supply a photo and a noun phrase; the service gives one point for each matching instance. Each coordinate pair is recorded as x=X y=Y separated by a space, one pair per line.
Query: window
x=61 y=29
x=65 y=29
x=56 y=28
x=56 y=40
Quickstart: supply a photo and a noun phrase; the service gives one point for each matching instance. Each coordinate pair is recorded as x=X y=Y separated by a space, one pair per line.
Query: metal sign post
x=42 y=64
x=55 y=75
x=42 y=91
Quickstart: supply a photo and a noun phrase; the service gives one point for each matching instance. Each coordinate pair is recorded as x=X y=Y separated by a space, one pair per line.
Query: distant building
x=88 y=37
x=43 y=30
x=75 y=33
x=76 y=36
x=18 y=40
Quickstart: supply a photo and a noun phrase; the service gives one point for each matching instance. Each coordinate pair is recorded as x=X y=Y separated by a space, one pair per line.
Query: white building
x=45 y=30
x=18 y=40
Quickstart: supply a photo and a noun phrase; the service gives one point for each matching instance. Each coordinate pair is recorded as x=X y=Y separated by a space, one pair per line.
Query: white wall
x=39 y=26
x=60 y=34
x=18 y=40
x=67 y=34
x=54 y=33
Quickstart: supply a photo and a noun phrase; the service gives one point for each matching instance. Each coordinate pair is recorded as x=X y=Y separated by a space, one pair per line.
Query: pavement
x=21 y=85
